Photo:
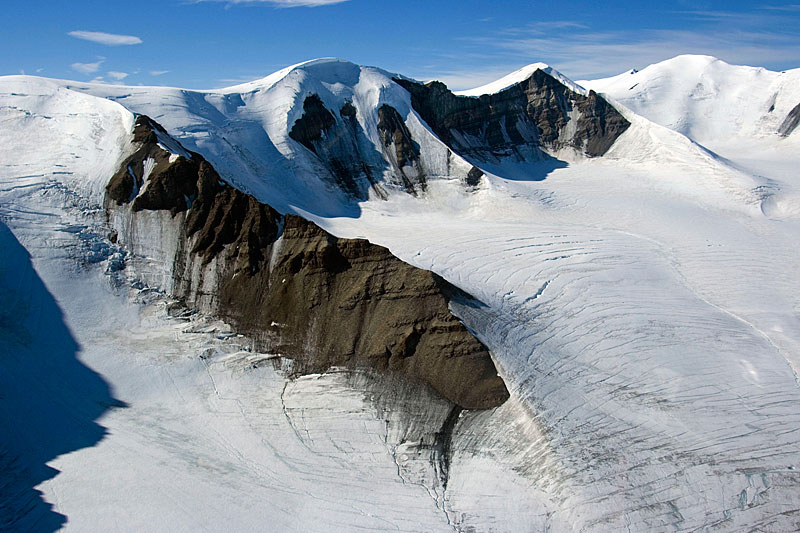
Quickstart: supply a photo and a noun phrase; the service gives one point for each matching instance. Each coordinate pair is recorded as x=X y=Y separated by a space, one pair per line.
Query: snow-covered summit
x=331 y=70
x=246 y=132
x=519 y=76
x=369 y=139
x=706 y=98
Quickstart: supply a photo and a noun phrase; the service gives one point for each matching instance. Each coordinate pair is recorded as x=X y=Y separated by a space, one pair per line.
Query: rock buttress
x=152 y=177
x=322 y=301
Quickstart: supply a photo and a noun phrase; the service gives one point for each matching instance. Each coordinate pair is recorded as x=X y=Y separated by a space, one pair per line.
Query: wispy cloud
x=790 y=7
x=158 y=72
x=88 y=68
x=117 y=75
x=282 y=3
x=546 y=27
x=763 y=37
x=597 y=54
x=110 y=39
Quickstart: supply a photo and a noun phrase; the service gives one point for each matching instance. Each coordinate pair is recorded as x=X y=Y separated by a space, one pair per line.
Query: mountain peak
x=520 y=75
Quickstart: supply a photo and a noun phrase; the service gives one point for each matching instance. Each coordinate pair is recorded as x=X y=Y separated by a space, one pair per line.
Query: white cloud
x=117 y=75
x=110 y=39
x=88 y=68
x=158 y=72
x=283 y=3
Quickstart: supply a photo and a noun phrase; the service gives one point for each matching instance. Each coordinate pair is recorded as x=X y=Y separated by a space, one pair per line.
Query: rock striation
x=401 y=149
x=791 y=122
x=295 y=289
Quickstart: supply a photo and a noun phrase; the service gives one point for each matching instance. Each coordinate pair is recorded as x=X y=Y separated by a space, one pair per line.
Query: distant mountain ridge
x=330 y=124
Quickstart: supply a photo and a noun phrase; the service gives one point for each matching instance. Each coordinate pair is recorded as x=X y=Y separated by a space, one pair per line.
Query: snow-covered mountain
x=709 y=100
x=336 y=298
x=747 y=115
x=290 y=136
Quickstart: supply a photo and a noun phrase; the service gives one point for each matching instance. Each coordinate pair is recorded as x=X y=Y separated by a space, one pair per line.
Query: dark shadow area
x=523 y=170
x=49 y=400
x=511 y=133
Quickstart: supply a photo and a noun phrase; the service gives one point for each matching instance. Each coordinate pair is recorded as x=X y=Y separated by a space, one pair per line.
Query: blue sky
x=214 y=43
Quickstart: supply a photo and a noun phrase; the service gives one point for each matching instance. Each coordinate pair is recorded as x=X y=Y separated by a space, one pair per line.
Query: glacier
x=642 y=307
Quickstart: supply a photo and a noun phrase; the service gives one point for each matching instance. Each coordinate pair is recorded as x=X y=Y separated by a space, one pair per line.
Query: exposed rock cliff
x=401 y=149
x=299 y=291
x=153 y=177
x=534 y=120
x=339 y=145
x=525 y=121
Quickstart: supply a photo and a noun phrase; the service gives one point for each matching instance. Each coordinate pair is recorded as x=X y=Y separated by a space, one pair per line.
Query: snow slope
x=735 y=111
x=642 y=307
x=654 y=337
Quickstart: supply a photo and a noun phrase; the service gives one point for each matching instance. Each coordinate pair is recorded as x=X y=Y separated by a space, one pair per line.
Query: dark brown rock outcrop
x=533 y=113
x=329 y=302
x=322 y=301
x=791 y=122
x=336 y=144
x=313 y=124
x=474 y=176
x=405 y=151
x=153 y=178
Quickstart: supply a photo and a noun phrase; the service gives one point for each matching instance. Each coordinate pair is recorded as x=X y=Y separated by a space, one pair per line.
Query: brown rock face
x=223 y=220
x=323 y=301
x=347 y=302
x=395 y=134
x=533 y=113
x=168 y=185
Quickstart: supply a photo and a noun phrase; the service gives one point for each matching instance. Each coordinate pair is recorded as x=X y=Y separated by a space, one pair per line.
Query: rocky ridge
x=529 y=121
x=534 y=120
x=297 y=290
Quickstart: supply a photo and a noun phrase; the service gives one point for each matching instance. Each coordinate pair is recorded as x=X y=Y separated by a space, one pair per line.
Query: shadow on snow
x=49 y=400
